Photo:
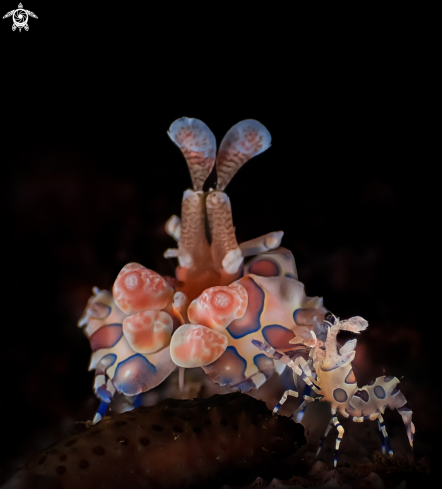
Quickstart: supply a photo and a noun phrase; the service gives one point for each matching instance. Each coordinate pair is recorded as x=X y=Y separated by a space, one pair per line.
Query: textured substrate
x=226 y=439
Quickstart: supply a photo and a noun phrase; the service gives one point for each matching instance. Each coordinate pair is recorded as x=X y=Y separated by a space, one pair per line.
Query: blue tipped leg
x=384 y=435
x=102 y=408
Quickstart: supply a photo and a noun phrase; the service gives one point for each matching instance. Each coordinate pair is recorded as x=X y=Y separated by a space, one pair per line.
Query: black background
x=89 y=178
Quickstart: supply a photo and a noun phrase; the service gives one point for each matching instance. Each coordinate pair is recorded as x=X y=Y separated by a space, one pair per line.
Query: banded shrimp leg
x=300 y=369
x=333 y=422
x=341 y=432
x=385 y=439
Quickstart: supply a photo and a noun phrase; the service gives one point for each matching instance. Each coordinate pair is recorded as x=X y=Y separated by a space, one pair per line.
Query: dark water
x=90 y=177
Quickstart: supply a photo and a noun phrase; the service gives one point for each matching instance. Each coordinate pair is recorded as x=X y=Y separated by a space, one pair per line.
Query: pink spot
x=218 y=306
x=194 y=345
x=148 y=331
x=137 y=289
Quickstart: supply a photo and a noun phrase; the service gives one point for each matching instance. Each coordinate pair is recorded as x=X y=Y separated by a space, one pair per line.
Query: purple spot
x=363 y=395
x=106 y=337
x=228 y=369
x=340 y=395
x=387 y=378
x=249 y=323
x=265 y=268
x=133 y=375
x=140 y=373
x=379 y=392
x=265 y=364
x=278 y=336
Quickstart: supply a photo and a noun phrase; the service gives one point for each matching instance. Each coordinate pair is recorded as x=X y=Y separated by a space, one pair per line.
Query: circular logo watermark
x=20 y=18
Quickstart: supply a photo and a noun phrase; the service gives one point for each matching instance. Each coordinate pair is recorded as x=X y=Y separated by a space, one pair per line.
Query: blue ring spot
x=379 y=392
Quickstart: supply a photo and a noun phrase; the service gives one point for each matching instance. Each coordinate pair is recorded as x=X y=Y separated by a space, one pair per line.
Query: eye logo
x=20 y=18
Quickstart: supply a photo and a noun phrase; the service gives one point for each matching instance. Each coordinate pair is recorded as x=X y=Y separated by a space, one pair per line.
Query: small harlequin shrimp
x=335 y=383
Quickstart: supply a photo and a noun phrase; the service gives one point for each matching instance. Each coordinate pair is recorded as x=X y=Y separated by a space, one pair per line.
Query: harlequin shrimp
x=208 y=314
x=329 y=372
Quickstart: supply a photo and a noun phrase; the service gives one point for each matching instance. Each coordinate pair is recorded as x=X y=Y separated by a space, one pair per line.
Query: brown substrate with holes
x=226 y=439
